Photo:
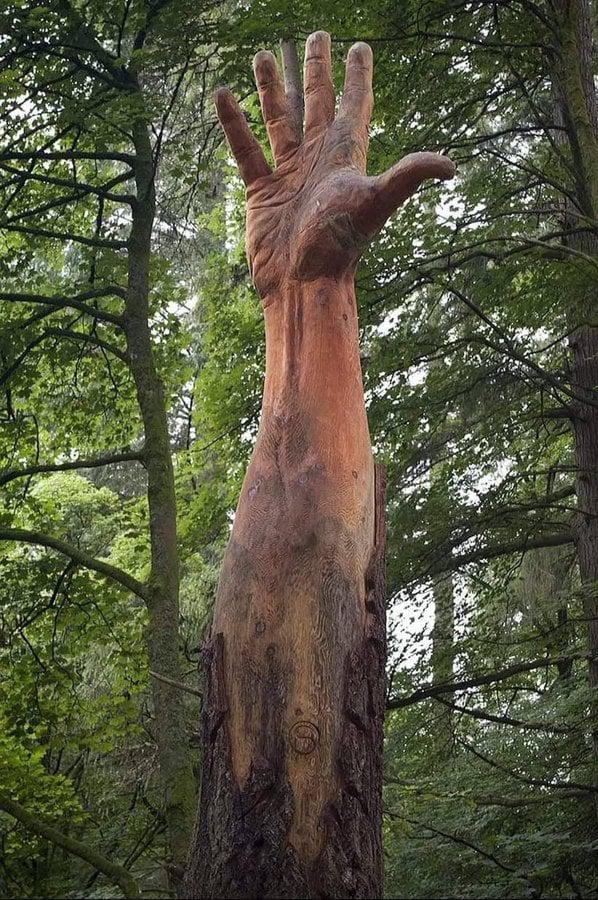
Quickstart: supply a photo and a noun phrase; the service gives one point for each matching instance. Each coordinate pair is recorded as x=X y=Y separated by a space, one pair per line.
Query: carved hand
x=314 y=214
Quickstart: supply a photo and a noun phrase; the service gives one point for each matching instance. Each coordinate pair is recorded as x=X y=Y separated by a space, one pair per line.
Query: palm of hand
x=313 y=215
x=301 y=219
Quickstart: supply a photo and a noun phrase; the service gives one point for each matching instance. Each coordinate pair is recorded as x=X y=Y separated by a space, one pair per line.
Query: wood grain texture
x=291 y=794
x=289 y=827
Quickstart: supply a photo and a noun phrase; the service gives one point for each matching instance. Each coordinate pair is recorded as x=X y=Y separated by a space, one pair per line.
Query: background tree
x=95 y=100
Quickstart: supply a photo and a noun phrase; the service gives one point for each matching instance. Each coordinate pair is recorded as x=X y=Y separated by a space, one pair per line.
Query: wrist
x=290 y=286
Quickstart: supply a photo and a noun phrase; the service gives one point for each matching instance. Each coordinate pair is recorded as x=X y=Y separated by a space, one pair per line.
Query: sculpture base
x=241 y=846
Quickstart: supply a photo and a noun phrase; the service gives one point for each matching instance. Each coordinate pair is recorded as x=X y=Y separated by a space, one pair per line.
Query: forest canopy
x=132 y=358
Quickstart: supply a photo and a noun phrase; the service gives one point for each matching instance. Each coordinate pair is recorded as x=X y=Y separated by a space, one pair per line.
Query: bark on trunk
x=172 y=742
x=584 y=350
x=443 y=658
x=291 y=791
x=578 y=107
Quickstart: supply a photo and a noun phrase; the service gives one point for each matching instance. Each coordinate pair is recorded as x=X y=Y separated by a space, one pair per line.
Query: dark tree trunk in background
x=162 y=638
x=578 y=111
x=584 y=380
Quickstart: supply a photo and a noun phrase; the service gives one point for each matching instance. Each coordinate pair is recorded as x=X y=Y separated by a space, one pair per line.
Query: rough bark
x=578 y=110
x=305 y=819
x=163 y=583
x=291 y=791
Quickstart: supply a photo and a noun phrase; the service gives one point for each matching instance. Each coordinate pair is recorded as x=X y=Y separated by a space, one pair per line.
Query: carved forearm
x=313 y=456
x=313 y=369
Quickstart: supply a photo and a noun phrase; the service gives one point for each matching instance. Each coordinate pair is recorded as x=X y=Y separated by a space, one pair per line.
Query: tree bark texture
x=292 y=795
x=578 y=110
x=293 y=726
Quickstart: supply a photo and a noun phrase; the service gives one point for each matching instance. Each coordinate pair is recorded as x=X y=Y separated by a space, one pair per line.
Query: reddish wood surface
x=291 y=794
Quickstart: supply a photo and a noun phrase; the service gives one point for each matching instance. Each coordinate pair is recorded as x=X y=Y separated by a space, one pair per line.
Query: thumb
x=393 y=187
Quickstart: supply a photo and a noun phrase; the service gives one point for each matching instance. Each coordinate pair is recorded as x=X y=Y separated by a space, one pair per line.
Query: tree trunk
x=443 y=631
x=163 y=607
x=545 y=589
x=292 y=776
x=443 y=658
x=584 y=379
x=578 y=107
x=293 y=725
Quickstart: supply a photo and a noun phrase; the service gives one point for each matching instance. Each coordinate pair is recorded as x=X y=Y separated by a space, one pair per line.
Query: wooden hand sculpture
x=314 y=214
x=291 y=790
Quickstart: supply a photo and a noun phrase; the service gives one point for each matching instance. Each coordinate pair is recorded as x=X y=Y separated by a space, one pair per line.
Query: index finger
x=245 y=147
x=281 y=124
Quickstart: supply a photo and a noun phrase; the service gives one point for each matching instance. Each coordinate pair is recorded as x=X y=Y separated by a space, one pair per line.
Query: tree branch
x=75 y=302
x=177 y=684
x=116 y=873
x=459 y=840
x=88 y=339
x=533 y=782
x=92 y=463
x=451 y=563
x=65 y=236
x=78 y=556
x=81 y=187
x=68 y=155
x=450 y=687
x=485 y=716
